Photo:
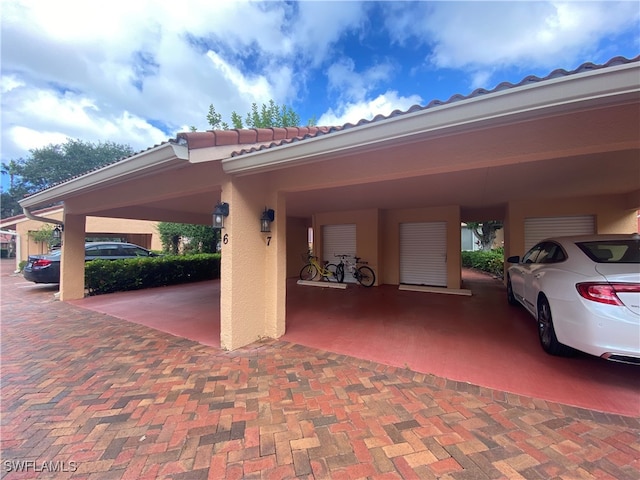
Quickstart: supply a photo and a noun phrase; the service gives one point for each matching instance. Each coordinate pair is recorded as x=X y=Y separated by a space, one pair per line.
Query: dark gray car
x=46 y=268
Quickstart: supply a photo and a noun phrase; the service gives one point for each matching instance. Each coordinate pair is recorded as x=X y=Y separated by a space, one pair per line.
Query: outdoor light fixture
x=57 y=232
x=221 y=211
x=265 y=221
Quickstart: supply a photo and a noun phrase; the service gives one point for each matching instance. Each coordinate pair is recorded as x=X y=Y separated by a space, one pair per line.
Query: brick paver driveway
x=85 y=395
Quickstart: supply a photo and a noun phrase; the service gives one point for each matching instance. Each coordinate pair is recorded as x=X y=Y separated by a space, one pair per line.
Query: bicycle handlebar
x=357 y=259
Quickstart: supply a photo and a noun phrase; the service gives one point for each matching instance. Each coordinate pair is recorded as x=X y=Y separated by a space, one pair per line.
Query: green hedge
x=108 y=276
x=490 y=261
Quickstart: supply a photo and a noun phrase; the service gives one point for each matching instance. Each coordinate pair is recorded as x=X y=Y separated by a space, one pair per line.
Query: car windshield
x=612 y=251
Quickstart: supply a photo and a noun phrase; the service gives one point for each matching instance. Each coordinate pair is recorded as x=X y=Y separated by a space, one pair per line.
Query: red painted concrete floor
x=478 y=339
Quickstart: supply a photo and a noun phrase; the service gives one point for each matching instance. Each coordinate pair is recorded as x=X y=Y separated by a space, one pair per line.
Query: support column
x=253 y=268
x=72 y=261
x=275 y=244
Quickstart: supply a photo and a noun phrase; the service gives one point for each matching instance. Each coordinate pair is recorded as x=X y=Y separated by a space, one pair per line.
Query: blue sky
x=138 y=72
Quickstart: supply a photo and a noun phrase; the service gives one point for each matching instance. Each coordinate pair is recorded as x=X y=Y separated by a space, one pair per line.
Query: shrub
x=108 y=276
x=490 y=261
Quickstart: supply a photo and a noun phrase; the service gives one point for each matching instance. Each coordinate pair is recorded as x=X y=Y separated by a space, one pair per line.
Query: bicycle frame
x=363 y=274
x=313 y=268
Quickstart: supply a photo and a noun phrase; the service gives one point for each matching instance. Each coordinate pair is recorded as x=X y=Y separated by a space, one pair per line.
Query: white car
x=584 y=293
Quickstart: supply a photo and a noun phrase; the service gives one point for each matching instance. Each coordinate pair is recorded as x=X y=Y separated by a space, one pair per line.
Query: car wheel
x=547 y=333
x=510 y=296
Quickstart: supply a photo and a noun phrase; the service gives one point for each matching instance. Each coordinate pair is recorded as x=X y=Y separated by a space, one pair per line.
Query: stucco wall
x=611 y=212
x=253 y=273
x=297 y=244
x=391 y=239
x=378 y=237
x=140 y=230
x=367 y=235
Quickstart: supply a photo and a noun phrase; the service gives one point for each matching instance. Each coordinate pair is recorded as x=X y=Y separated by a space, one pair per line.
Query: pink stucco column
x=72 y=262
x=253 y=267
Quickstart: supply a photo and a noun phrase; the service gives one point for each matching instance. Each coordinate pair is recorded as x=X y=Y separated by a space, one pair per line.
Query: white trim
x=163 y=157
x=449 y=291
x=311 y=283
x=613 y=85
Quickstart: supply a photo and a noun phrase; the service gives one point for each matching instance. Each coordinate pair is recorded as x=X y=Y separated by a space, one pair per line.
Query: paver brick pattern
x=85 y=395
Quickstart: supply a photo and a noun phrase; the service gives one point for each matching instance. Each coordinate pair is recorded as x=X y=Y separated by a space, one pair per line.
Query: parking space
x=477 y=339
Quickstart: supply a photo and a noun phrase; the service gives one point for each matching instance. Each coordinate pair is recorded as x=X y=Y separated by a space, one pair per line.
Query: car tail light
x=41 y=262
x=606 y=292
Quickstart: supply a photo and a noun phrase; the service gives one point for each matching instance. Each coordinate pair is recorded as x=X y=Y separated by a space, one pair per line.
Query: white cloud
x=384 y=104
x=321 y=24
x=28 y=138
x=486 y=35
x=353 y=85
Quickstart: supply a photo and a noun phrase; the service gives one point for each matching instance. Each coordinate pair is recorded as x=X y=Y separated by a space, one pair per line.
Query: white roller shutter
x=423 y=254
x=537 y=229
x=339 y=240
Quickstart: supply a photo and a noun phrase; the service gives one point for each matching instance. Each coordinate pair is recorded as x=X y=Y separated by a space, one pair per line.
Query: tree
x=485 y=232
x=203 y=239
x=45 y=236
x=194 y=238
x=269 y=115
x=56 y=163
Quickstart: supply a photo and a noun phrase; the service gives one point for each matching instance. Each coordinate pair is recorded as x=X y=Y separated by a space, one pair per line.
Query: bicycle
x=363 y=274
x=328 y=271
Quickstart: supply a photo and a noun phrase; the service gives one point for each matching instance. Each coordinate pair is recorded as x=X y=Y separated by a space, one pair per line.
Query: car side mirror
x=514 y=259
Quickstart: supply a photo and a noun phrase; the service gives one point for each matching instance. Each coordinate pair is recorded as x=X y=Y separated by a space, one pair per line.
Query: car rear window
x=612 y=251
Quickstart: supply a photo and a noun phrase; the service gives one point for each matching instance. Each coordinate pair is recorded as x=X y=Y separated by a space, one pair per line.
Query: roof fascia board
x=492 y=108
x=160 y=158
x=211 y=154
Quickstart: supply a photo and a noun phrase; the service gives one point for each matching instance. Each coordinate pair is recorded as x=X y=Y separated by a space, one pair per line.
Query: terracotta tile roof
x=585 y=67
x=273 y=137
x=214 y=138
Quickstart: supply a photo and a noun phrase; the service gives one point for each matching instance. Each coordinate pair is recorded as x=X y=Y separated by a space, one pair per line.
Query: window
x=612 y=251
x=531 y=255
x=550 y=253
x=131 y=251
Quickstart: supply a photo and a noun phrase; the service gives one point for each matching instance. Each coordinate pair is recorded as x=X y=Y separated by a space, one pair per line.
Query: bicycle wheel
x=333 y=272
x=340 y=273
x=366 y=277
x=308 y=272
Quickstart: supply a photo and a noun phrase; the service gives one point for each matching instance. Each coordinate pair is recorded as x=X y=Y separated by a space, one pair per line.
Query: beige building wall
x=367 y=235
x=140 y=232
x=297 y=244
x=611 y=212
x=391 y=240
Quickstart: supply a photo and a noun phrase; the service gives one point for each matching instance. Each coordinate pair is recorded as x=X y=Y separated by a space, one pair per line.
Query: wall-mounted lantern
x=265 y=220
x=219 y=213
x=57 y=232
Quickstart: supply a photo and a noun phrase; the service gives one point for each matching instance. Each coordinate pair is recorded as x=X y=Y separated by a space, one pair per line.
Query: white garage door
x=537 y=229
x=423 y=254
x=339 y=240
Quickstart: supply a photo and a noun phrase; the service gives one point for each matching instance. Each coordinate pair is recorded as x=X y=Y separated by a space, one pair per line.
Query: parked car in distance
x=46 y=268
x=584 y=293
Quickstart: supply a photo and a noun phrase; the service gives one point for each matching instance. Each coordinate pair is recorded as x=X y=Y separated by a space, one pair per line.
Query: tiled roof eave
x=529 y=81
x=161 y=157
x=557 y=91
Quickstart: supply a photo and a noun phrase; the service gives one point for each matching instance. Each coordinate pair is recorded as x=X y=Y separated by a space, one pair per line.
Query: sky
x=137 y=72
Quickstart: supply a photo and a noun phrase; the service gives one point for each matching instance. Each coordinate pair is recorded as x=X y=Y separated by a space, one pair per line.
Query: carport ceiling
x=485 y=188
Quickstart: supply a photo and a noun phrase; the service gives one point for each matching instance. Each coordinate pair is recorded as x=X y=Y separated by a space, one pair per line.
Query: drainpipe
x=31 y=216
x=18 y=247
